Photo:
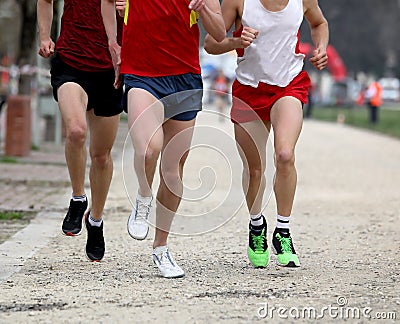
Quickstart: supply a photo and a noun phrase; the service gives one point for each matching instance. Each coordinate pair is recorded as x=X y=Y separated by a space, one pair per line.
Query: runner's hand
x=115 y=51
x=319 y=58
x=120 y=7
x=46 y=48
x=248 y=36
x=197 y=5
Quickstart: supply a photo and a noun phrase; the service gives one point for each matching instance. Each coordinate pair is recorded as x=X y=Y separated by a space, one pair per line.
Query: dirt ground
x=345 y=228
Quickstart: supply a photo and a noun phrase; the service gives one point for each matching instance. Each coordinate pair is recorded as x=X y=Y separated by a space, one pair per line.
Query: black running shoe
x=257 y=250
x=282 y=245
x=95 y=245
x=72 y=224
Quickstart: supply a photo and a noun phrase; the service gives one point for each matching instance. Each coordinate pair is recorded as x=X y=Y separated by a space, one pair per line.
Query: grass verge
x=11 y=215
x=389 y=119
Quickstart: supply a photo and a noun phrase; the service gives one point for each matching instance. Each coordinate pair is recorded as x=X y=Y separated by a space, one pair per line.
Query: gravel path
x=346 y=230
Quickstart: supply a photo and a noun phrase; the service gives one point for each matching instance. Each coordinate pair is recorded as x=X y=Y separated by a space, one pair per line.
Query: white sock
x=256 y=220
x=282 y=222
x=95 y=222
x=79 y=198
x=145 y=200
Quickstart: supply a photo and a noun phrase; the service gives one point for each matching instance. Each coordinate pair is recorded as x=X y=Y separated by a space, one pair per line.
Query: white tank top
x=272 y=57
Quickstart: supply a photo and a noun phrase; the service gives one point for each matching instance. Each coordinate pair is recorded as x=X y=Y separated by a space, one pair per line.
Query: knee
x=151 y=154
x=255 y=173
x=284 y=159
x=77 y=134
x=171 y=178
x=101 y=159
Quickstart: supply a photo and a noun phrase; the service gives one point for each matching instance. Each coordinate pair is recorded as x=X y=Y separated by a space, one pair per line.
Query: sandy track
x=346 y=230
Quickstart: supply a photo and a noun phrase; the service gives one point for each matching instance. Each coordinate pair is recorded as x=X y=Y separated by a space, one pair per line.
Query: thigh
x=72 y=100
x=177 y=140
x=69 y=90
x=145 y=118
x=103 y=131
x=251 y=139
x=286 y=121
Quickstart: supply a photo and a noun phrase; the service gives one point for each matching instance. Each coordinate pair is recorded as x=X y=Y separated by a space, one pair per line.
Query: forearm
x=44 y=18
x=228 y=44
x=213 y=23
x=320 y=35
x=109 y=20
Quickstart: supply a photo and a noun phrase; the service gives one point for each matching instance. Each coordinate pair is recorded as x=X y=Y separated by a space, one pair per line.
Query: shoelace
x=286 y=243
x=258 y=241
x=142 y=211
x=166 y=260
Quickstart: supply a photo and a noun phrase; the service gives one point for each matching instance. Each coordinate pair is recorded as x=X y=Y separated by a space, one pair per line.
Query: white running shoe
x=165 y=262
x=138 y=221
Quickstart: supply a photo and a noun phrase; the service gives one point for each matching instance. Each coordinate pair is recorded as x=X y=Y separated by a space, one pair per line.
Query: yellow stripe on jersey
x=194 y=16
x=126 y=12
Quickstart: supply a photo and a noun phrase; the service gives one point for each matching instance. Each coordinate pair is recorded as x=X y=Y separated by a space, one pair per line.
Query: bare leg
x=72 y=101
x=177 y=140
x=145 y=117
x=102 y=136
x=251 y=139
x=286 y=120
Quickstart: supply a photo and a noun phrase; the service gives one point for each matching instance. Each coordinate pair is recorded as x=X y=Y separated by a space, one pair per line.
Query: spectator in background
x=4 y=80
x=221 y=88
x=373 y=98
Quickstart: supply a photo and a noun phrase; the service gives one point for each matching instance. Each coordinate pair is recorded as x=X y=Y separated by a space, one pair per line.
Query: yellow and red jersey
x=160 y=38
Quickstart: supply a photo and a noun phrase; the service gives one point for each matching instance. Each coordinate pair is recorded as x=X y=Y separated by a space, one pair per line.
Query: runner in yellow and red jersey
x=163 y=94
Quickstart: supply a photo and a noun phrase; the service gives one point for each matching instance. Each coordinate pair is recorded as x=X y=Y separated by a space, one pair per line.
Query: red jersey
x=160 y=38
x=83 y=40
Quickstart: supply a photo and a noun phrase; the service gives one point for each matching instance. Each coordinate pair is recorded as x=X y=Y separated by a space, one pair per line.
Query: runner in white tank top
x=272 y=57
x=269 y=90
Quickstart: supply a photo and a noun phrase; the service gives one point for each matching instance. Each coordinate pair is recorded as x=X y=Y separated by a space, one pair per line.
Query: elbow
x=209 y=50
x=208 y=45
x=220 y=39
x=220 y=36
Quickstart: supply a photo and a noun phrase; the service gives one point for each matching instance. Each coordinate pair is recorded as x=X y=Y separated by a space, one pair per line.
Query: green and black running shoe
x=258 y=247
x=282 y=245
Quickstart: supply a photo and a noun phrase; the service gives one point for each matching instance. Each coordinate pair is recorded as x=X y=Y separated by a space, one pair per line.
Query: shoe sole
x=95 y=260
x=139 y=238
x=71 y=234
x=171 y=277
x=290 y=264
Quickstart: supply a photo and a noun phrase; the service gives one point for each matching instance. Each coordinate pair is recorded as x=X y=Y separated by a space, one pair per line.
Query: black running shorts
x=102 y=96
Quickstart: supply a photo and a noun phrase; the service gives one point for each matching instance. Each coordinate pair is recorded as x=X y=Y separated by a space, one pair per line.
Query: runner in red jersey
x=82 y=77
x=163 y=93
x=269 y=91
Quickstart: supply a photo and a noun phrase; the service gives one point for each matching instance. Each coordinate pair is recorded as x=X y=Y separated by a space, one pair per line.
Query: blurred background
x=363 y=48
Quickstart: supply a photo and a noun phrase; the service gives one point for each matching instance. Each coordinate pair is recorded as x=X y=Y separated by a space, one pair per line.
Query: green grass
x=124 y=117
x=389 y=120
x=8 y=159
x=9 y=215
